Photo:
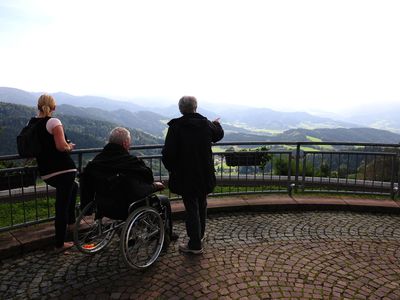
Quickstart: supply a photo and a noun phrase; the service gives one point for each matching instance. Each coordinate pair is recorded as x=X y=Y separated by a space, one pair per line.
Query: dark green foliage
x=247 y=157
x=85 y=133
x=281 y=167
x=143 y=120
x=324 y=170
x=22 y=212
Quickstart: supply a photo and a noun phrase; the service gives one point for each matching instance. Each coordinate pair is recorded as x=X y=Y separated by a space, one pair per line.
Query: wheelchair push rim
x=142 y=238
x=92 y=232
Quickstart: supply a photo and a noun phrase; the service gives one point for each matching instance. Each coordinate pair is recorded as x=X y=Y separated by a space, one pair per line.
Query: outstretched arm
x=217 y=131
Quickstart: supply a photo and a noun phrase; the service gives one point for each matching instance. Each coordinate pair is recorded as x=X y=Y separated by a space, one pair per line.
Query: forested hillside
x=146 y=121
x=85 y=133
x=363 y=135
x=355 y=135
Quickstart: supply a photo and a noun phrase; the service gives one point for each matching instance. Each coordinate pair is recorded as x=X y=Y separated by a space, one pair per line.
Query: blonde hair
x=46 y=104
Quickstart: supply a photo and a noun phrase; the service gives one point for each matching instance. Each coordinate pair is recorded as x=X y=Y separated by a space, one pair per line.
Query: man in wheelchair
x=117 y=179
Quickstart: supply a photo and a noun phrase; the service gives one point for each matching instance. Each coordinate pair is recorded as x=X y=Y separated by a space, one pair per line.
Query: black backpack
x=28 y=141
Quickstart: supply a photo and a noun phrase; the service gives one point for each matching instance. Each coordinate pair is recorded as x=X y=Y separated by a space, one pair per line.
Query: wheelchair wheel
x=92 y=232
x=142 y=238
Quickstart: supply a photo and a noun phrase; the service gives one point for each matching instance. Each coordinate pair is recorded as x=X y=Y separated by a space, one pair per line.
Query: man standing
x=187 y=155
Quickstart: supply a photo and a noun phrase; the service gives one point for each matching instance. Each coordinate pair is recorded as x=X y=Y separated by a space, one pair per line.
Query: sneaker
x=203 y=238
x=64 y=247
x=185 y=249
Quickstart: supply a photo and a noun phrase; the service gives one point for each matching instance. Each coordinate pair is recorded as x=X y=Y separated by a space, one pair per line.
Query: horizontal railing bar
x=352 y=152
x=309 y=143
x=285 y=171
x=28 y=223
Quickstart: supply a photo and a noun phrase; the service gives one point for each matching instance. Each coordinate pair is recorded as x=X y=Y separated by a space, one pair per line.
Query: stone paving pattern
x=248 y=255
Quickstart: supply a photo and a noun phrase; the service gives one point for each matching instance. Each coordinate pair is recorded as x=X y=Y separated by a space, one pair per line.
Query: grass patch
x=243 y=189
x=313 y=139
x=333 y=194
x=218 y=149
x=27 y=211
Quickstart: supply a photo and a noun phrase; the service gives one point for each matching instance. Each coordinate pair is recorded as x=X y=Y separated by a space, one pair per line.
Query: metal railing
x=284 y=167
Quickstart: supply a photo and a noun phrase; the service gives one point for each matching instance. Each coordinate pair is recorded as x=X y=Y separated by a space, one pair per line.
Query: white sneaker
x=185 y=249
x=203 y=238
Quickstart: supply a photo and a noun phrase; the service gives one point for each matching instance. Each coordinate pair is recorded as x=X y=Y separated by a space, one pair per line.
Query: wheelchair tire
x=92 y=233
x=142 y=238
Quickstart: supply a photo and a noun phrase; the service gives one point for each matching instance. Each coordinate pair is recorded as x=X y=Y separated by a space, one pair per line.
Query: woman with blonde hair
x=56 y=167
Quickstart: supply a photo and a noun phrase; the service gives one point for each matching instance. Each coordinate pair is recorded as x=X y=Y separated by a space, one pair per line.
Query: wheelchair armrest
x=146 y=201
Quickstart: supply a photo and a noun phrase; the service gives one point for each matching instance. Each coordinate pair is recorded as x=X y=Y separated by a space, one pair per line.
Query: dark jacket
x=187 y=154
x=119 y=178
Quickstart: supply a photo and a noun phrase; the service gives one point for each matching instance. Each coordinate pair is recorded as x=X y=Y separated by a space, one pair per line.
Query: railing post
x=393 y=189
x=290 y=185
x=303 y=174
x=80 y=162
x=296 y=181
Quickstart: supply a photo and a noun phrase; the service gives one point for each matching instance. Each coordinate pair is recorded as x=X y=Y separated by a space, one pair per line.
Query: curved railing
x=285 y=167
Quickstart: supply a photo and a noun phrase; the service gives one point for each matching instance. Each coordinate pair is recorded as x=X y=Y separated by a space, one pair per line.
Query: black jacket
x=187 y=154
x=119 y=177
x=50 y=160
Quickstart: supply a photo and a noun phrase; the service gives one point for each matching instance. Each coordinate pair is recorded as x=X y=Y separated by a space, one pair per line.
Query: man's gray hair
x=187 y=105
x=119 y=135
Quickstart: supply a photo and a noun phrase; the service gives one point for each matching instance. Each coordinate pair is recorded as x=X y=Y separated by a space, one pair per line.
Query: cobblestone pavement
x=294 y=255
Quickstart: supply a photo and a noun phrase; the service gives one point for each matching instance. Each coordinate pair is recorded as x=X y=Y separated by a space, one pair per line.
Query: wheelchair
x=142 y=234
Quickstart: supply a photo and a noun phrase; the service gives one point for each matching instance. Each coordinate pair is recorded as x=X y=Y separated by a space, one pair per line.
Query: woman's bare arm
x=59 y=138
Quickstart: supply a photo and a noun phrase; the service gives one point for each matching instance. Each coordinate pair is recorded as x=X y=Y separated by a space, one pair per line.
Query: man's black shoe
x=131 y=243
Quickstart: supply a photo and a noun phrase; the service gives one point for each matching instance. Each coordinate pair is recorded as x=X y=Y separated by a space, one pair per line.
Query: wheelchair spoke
x=92 y=232
x=143 y=238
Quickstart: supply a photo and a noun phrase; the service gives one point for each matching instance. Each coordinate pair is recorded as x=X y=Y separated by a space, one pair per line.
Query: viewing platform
x=257 y=247
x=27 y=239
x=310 y=223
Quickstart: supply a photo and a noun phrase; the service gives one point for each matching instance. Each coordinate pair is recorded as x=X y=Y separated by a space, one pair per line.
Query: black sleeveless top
x=50 y=160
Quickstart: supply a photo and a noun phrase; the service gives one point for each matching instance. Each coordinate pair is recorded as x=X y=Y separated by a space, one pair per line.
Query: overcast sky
x=285 y=55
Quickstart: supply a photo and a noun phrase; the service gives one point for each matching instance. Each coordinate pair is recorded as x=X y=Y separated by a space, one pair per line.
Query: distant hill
x=354 y=135
x=95 y=108
x=241 y=122
x=362 y=135
x=90 y=133
x=95 y=101
x=380 y=116
x=172 y=111
x=264 y=118
x=85 y=133
x=17 y=96
x=145 y=121
x=247 y=118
